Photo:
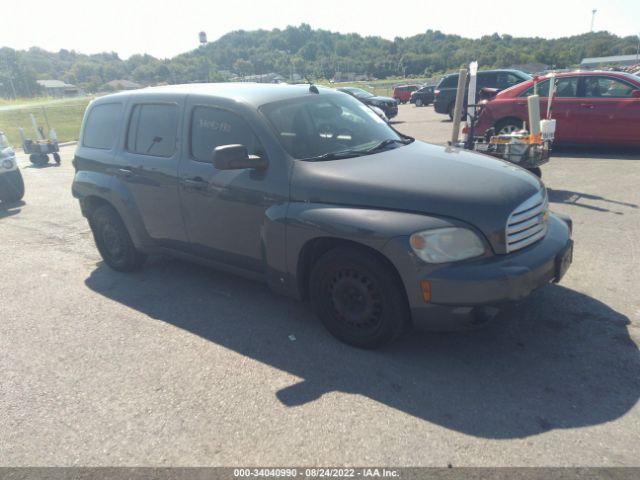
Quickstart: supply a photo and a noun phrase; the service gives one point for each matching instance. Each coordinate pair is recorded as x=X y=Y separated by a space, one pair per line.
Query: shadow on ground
x=559 y=360
x=576 y=198
x=8 y=209
x=603 y=152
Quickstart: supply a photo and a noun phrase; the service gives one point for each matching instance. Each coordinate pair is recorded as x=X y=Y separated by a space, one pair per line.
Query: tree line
x=317 y=54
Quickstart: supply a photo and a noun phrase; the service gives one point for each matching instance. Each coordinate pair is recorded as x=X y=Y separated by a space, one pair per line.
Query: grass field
x=65 y=117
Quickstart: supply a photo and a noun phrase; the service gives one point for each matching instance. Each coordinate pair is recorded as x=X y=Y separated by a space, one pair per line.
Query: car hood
x=424 y=178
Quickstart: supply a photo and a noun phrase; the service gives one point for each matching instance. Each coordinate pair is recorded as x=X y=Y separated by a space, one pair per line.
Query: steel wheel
x=113 y=240
x=358 y=297
x=507 y=126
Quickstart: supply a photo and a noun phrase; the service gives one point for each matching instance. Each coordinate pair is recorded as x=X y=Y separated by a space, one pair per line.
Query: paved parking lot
x=182 y=365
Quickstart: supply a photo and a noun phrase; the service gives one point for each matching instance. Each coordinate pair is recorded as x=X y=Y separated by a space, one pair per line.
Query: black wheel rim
x=355 y=300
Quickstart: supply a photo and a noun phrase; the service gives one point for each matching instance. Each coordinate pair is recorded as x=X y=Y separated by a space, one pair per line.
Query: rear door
x=148 y=166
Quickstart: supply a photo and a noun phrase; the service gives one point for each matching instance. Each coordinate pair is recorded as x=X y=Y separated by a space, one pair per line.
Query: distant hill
x=305 y=51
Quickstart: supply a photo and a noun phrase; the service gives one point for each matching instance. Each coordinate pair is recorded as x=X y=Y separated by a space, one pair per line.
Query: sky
x=164 y=28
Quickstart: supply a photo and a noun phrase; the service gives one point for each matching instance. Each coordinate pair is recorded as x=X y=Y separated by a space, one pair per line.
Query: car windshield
x=360 y=93
x=329 y=126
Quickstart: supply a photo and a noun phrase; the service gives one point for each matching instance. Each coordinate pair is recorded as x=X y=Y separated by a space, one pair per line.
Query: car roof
x=254 y=94
x=495 y=70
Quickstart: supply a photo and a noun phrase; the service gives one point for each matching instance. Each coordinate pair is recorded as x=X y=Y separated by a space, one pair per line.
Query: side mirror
x=235 y=157
x=635 y=93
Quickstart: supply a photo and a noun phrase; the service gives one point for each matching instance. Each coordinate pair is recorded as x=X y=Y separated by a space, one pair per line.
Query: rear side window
x=101 y=127
x=212 y=127
x=153 y=129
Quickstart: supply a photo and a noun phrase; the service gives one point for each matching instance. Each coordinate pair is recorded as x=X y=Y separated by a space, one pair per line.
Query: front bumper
x=470 y=291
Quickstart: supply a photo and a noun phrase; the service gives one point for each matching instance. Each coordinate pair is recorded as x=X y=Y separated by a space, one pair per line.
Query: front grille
x=528 y=223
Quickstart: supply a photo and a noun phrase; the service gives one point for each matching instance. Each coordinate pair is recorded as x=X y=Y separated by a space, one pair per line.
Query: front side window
x=153 y=130
x=323 y=125
x=506 y=80
x=213 y=127
x=101 y=127
x=566 y=87
x=606 y=87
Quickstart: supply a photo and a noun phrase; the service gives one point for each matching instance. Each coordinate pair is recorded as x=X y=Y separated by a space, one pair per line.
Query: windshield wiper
x=385 y=143
x=335 y=155
x=357 y=153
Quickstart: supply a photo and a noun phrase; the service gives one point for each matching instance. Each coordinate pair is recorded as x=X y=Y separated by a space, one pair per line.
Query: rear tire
x=56 y=157
x=419 y=102
x=11 y=187
x=113 y=240
x=358 y=298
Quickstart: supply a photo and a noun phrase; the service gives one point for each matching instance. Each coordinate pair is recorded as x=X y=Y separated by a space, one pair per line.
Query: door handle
x=197 y=183
x=590 y=106
x=125 y=172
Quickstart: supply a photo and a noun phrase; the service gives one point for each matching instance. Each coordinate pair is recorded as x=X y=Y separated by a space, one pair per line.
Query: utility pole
x=593 y=18
x=638 y=51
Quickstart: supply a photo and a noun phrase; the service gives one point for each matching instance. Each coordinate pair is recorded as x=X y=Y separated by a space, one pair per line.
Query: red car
x=402 y=93
x=589 y=108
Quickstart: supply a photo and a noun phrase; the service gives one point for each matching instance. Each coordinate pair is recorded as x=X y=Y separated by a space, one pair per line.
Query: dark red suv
x=589 y=108
x=402 y=93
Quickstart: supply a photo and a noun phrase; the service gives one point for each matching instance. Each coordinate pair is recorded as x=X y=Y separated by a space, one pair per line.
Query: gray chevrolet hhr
x=309 y=190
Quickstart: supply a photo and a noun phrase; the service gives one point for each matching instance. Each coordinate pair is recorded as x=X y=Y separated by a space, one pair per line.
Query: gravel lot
x=182 y=365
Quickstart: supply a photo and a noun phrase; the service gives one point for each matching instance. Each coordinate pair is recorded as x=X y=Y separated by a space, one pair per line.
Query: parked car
x=589 y=108
x=388 y=105
x=402 y=93
x=423 y=96
x=445 y=92
x=310 y=191
x=379 y=112
x=11 y=182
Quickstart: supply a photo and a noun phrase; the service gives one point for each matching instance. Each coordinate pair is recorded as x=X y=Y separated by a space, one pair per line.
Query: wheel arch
x=314 y=248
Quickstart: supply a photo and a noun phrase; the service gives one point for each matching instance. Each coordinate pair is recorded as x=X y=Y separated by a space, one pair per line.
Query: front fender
x=373 y=228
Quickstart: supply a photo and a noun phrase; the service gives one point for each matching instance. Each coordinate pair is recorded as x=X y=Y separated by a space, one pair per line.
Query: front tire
x=358 y=298
x=39 y=159
x=419 y=102
x=11 y=187
x=507 y=126
x=113 y=240
x=537 y=171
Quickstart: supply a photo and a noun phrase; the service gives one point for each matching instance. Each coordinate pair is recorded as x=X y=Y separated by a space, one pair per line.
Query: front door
x=226 y=211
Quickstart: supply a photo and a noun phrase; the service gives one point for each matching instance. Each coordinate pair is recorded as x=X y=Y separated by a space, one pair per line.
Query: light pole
x=593 y=18
x=638 y=51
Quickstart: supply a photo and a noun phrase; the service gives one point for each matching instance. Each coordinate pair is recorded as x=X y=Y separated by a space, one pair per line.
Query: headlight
x=8 y=164
x=446 y=245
